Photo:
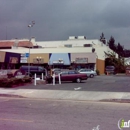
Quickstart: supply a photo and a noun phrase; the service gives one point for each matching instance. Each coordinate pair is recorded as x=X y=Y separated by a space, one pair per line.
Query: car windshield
x=85 y=70
x=41 y=68
x=71 y=72
x=110 y=67
x=64 y=73
x=75 y=72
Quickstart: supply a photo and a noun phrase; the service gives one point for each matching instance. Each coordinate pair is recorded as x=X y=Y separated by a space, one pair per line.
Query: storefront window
x=87 y=45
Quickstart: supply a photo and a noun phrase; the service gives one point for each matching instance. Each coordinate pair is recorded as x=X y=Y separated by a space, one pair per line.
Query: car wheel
x=73 y=81
x=114 y=73
x=91 y=76
x=78 y=80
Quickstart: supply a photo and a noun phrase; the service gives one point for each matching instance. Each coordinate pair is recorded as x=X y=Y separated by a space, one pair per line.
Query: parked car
x=58 y=70
x=31 y=70
x=110 y=70
x=90 y=73
x=72 y=75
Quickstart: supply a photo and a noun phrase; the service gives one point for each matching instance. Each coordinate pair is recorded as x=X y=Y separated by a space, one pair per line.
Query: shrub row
x=10 y=82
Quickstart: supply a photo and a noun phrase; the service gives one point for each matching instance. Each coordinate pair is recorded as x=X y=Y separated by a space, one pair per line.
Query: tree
x=102 y=38
x=112 y=60
x=112 y=44
x=126 y=53
x=120 y=50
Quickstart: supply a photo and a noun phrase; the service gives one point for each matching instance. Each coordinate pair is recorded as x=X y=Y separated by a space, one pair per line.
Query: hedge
x=10 y=82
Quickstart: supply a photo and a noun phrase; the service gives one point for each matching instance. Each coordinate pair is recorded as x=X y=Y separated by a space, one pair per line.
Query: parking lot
x=112 y=83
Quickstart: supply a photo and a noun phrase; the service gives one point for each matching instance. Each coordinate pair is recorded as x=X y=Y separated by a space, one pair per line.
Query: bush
x=120 y=69
x=98 y=72
x=10 y=82
x=10 y=75
x=27 y=79
x=5 y=82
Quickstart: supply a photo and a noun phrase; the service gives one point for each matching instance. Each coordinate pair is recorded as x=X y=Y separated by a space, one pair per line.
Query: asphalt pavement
x=99 y=88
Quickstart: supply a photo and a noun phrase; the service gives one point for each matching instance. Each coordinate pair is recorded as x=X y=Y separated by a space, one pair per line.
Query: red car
x=71 y=75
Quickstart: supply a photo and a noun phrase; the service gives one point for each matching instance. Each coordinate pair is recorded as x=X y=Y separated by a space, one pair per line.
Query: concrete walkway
x=65 y=95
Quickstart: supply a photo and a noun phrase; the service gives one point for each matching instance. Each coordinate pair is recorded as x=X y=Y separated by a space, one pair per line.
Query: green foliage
x=98 y=72
x=112 y=44
x=10 y=82
x=27 y=79
x=118 y=48
x=5 y=82
x=117 y=62
x=10 y=74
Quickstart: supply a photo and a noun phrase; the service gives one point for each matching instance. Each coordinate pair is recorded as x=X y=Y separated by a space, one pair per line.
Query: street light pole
x=29 y=26
x=97 y=62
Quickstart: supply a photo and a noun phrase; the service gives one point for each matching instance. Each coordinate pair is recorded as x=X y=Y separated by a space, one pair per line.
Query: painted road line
x=16 y=120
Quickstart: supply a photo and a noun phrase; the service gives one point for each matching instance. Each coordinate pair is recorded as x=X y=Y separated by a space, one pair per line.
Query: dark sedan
x=73 y=76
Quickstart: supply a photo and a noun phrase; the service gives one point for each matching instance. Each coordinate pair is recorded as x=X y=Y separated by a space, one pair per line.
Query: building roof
x=13 y=43
x=25 y=44
x=48 y=50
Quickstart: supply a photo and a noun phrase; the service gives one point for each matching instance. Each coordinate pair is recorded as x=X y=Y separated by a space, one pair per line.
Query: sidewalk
x=65 y=94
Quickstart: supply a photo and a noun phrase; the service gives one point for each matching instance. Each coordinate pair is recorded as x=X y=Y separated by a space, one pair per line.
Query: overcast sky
x=59 y=19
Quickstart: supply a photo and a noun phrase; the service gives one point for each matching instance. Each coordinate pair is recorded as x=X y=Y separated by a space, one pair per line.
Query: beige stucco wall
x=2 y=56
x=44 y=56
x=100 y=65
x=90 y=56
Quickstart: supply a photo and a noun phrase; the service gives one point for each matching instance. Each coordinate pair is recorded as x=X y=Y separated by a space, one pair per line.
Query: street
x=100 y=88
x=41 y=114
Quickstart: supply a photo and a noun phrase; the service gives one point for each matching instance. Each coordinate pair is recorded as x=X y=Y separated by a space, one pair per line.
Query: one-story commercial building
x=76 y=52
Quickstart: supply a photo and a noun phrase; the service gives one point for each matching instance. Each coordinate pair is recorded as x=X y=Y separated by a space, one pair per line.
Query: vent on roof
x=33 y=40
x=16 y=42
x=72 y=37
x=81 y=37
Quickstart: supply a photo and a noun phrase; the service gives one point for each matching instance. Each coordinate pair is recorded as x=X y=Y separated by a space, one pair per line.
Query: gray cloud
x=57 y=20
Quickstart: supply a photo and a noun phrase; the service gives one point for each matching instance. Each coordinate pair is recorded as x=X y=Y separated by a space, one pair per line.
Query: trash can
x=127 y=70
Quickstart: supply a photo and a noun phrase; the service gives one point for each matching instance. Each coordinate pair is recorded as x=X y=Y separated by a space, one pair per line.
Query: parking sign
x=27 y=54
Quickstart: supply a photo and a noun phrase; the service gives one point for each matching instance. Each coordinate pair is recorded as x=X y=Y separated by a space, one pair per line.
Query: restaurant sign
x=81 y=60
x=58 y=62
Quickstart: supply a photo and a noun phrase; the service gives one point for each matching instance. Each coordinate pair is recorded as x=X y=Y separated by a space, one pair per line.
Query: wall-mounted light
x=39 y=59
